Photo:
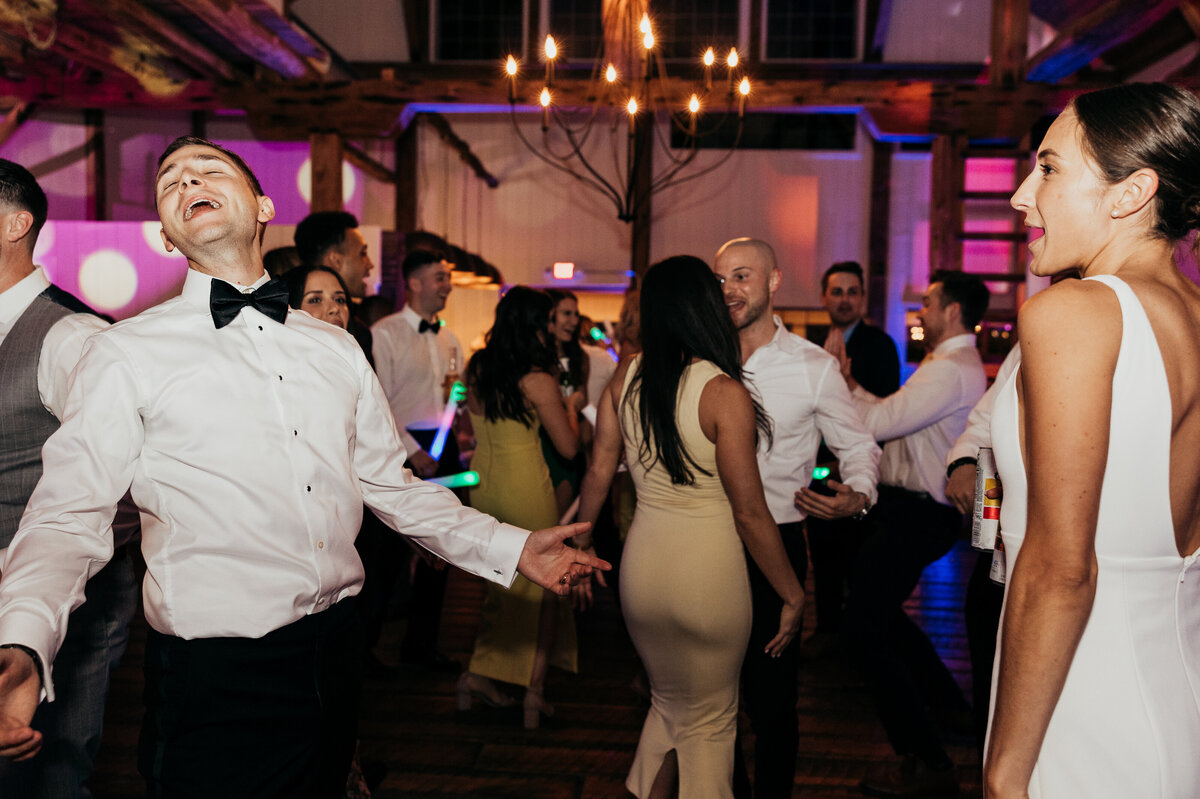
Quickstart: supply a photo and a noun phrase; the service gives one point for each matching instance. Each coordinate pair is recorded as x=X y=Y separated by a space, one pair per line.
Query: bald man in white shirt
x=250 y=438
x=801 y=389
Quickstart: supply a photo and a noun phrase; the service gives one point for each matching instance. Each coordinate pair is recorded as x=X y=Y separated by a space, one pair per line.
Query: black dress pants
x=257 y=718
x=769 y=684
x=901 y=666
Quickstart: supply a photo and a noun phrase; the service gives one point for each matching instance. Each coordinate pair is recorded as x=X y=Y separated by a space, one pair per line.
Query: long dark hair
x=683 y=317
x=571 y=349
x=518 y=343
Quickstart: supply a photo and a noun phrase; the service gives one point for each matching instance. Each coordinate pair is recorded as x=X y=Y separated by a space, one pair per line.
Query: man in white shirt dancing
x=802 y=391
x=250 y=438
x=913 y=526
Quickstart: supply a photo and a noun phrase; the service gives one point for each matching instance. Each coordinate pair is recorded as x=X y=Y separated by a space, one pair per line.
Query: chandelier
x=629 y=90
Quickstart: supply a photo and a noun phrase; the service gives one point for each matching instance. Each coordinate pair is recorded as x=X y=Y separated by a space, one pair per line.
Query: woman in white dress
x=1097 y=438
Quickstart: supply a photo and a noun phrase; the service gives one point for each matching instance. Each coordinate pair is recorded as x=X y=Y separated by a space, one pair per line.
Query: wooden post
x=878 y=222
x=945 y=202
x=97 y=194
x=325 y=152
x=1010 y=33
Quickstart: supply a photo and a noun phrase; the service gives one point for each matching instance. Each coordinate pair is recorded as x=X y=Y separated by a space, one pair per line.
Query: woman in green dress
x=512 y=388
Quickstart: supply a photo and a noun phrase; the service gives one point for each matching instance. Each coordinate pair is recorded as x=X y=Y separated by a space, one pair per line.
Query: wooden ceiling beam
x=371 y=108
x=1090 y=35
x=243 y=30
x=60 y=89
x=184 y=46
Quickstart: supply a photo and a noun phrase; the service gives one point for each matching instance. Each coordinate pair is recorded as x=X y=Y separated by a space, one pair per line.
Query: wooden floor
x=411 y=726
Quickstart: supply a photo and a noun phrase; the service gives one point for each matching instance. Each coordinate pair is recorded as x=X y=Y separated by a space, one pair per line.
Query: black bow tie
x=430 y=327
x=226 y=302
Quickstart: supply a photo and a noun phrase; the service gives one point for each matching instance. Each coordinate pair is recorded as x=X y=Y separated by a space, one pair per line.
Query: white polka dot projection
x=151 y=232
x=107 y=280
x=304 y=181
x=45 y=242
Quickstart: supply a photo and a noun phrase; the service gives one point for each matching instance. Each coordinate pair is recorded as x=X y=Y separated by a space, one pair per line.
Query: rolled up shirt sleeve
x=845 y=434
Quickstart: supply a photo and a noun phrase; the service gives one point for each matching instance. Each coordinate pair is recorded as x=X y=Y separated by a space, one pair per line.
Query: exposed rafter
x=1087 y=37
x=243 y=30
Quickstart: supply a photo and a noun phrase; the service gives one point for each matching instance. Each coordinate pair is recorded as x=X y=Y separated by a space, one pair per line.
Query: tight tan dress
x=686 y=599
x=514 y=486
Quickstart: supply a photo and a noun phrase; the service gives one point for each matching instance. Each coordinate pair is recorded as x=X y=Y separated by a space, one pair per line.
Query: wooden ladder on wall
x=950 y=215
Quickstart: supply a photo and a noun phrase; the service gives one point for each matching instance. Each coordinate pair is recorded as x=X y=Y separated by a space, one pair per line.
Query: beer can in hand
x=985 y=521
x=998 y=572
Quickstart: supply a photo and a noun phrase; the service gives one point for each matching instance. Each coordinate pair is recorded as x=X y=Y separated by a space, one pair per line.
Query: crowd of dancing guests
x=696 y=428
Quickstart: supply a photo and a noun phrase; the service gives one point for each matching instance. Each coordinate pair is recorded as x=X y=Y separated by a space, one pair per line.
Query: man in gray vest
x=42 y=331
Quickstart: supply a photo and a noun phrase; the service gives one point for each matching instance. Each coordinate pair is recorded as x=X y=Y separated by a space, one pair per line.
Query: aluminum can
x=985 y=522
x=999 y=570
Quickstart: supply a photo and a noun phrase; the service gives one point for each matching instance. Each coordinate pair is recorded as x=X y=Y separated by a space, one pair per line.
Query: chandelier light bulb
x=632 y=106
x=510 y=66
x=610 y=74
x=644 y=26
x=694 y=104
x=709 y=57
x=744 y=86
x=648 y=40
x=732 y=61
x=551 y=48
x=545 y=98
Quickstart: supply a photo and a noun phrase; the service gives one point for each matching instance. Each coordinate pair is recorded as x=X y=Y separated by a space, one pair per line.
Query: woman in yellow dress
x=512 y=387
x=688 y=429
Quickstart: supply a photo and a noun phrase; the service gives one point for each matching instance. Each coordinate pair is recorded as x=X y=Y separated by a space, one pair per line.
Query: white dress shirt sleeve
x=61 y=350
x=979 y=423
x=425 y=512
x=842 y=427
x=932 y=393
x=66 y=533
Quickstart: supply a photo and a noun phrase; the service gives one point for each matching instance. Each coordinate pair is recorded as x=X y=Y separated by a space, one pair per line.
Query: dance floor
x=411 y=727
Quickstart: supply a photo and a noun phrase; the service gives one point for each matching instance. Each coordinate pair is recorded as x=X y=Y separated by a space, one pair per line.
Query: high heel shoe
x=536 y=707
x=472 y=686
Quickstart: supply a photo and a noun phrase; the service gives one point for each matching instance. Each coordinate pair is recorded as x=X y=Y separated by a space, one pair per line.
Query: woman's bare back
x=1172 y=303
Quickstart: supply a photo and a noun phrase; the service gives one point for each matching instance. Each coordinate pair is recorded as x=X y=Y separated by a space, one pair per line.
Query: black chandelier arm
x=603 y=186
x=616 y=191
x=667 y=179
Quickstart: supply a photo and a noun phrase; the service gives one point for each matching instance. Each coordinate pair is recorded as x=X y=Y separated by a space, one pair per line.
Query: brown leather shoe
x=910 y=779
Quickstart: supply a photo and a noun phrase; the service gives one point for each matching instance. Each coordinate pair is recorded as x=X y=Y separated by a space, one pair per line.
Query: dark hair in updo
x=1148 y=126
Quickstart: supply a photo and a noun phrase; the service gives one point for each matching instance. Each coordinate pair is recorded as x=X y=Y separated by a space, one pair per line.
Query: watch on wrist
x=37 y=661
x=862 y=514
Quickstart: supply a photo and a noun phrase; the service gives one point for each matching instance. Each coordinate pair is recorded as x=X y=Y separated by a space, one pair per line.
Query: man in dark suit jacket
x=875 y=365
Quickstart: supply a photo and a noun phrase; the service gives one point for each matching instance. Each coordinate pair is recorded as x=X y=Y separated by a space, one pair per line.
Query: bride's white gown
x=1127 y=725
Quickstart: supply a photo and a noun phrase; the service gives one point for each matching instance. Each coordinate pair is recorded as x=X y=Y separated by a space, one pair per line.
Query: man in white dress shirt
x=914 y=525
x=801 y=389
x=250 y=438
x=42 y=333
x=415 y=353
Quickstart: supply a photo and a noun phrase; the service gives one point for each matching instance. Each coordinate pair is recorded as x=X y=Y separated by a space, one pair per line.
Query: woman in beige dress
x=689 y=430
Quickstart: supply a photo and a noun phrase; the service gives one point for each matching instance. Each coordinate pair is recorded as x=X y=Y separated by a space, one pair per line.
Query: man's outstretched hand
x=553 y=565
x=20 y=688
